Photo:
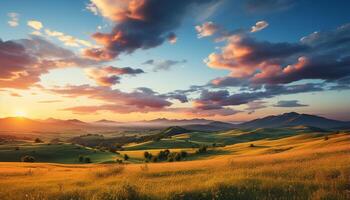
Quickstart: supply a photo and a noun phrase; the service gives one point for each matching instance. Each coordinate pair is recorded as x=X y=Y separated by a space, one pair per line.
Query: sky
x=131 y=60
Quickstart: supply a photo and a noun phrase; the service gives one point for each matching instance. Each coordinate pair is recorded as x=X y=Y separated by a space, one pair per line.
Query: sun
x=20 y=113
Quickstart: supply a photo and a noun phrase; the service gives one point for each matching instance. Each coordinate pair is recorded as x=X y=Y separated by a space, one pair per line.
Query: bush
x=87 y=160
x=81 y=158
x=202 y=149
x=28 y=159
x=177 y=157
x=326 y=138
x=154 y=159
x=251 y=145
x=146 y=154
x=184 y=154
x=170 y=159
x=126 y=157
x=16 y=148
x=38 y=140
x=119 y=161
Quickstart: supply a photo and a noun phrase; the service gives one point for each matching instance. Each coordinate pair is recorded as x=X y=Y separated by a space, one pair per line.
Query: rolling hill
x=293 y=119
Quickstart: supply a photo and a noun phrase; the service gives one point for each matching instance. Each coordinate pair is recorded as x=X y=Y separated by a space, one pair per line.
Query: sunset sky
x=130 y=60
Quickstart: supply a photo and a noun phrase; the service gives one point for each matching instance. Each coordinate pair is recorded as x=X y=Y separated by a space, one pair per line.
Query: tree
x=183 y=154
x=28 y=159
x=38 y=140
x=177 y=157
x=154 y=159
x=87 y=160
x=202 y=149
x=126 y=157
x=81 y=158
x=146 y=154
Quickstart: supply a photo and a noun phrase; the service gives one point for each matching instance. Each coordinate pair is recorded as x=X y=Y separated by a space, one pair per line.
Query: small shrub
x=177 y=157
x=16 y=148
x=28 y=159
x=38 y=140
x=326 y=138
x=81 y=158
x=202 y=149
x=126 y=157
x=170 y=159
x=184 y=154
x=154 y=159
x=119 y=161
x=87 y=160
x=251 y=145
x=146 y=154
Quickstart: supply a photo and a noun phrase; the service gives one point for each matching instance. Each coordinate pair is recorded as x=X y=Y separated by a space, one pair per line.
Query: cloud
x=243 y=55
x=172 y=38
x=263 y=6
x=92 y=8
x=108 y=76
x=35 y=24
x=219 y=99
x=255 y=105
x=14 y=19
x=289 y=104
x=68 y=40
x=138 y=24
x=260 y=25
x=163 y=65
x=327 y=58
x=14 y=94
x=206 y=29
x=139 y=98
x=23 y=61
x=50 y=101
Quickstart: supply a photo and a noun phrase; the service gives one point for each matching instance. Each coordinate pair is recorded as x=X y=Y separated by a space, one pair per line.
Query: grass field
x=298 y=167
x=58 y=153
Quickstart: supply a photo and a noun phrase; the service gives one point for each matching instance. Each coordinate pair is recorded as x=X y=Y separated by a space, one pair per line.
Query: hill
x=293 y=119
x=174 y=130
x=212 y=126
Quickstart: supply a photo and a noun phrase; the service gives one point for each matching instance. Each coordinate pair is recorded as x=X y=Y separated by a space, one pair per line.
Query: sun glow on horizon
x=20 y=113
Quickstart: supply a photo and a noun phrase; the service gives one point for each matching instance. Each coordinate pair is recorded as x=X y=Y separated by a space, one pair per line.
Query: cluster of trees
x=84 y=159
x=28 y=159
x=165 y=155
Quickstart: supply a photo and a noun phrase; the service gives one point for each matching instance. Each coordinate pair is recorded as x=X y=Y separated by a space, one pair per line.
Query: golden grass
x=312 y=168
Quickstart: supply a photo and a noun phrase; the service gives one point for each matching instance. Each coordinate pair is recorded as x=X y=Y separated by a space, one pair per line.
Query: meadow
x=305 y=166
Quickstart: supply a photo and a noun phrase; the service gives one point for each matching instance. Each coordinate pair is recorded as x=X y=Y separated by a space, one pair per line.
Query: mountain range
x=274 y=121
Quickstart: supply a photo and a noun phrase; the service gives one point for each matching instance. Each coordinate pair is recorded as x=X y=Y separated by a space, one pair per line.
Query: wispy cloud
x=14 y=19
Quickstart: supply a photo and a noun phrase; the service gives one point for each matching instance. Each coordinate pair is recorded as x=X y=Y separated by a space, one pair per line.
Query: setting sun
x=20 y=113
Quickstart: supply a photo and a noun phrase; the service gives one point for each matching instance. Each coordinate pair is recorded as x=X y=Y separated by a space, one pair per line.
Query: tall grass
x=313 y=169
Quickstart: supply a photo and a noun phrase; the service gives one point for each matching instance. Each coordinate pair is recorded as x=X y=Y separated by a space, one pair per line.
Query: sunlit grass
x=313 y=168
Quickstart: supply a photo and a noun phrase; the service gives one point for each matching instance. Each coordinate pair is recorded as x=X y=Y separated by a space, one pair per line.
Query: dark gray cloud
x=109 y=76
x=289 y=104
x=142 y=25
x=163 y=65
x=264 y=6
x=222 y=98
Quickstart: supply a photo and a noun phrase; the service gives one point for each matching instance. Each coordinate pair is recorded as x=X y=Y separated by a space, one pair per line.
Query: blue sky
x=287 y=22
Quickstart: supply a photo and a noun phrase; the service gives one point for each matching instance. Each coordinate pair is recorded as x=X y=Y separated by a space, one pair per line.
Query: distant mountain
x=163 y=122
x=293 y=119
x=51 y=124
x=105 y=121
x=212 y=126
